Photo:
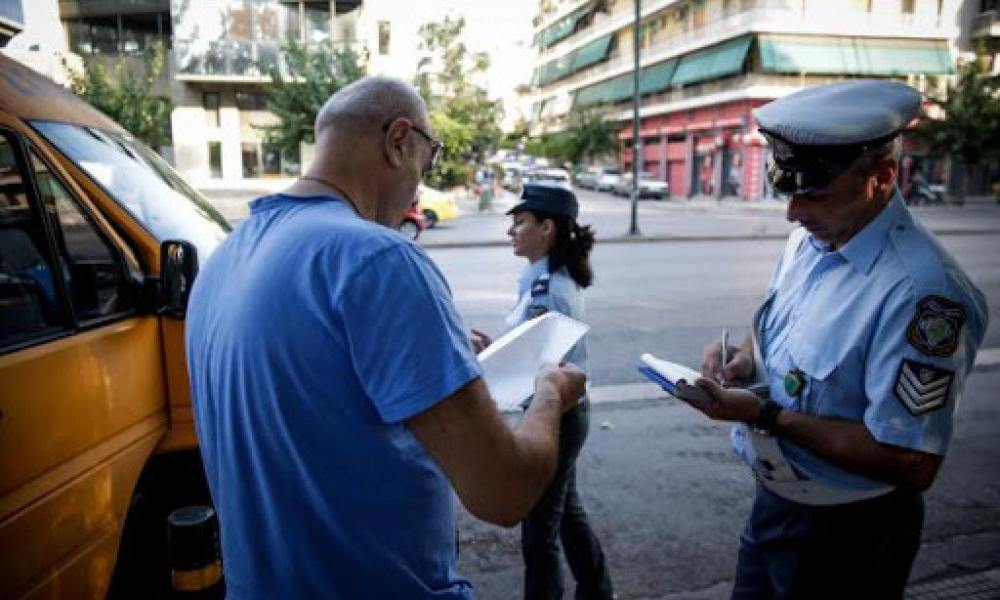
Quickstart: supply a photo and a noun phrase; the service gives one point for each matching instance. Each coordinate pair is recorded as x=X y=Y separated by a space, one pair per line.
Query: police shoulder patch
x=922 y=388
x=540 y=287
x=934 y=329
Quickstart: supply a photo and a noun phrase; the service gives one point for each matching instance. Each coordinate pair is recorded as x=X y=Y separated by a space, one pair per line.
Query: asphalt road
x=665 y=495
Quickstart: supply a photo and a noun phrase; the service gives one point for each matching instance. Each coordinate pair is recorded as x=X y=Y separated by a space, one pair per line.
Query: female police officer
x=545 y=232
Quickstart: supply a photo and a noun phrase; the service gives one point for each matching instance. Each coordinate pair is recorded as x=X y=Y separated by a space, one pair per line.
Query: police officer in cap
x=544 y=231
x=844 y=393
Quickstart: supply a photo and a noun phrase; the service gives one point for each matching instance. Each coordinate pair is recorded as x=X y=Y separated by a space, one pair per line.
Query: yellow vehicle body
x=436 y=206
x=86 y=407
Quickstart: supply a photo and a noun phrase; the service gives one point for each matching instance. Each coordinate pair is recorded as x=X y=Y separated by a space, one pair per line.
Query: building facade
x=707 y=64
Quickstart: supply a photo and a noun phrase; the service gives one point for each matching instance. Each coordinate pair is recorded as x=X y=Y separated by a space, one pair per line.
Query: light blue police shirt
x=312 y=335
x=868 y=325
x=539 y=291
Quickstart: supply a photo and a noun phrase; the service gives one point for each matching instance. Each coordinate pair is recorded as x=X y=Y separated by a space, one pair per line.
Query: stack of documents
x=677 y=380
x=511 y=363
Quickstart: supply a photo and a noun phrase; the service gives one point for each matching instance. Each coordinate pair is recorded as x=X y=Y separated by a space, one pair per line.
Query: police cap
x=548 y=199
x=816 y=133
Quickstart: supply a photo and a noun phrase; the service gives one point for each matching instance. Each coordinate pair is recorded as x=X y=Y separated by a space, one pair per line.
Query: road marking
x=629 y=392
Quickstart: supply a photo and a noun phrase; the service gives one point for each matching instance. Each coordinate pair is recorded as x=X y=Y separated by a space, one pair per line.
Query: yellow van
x=99 y=243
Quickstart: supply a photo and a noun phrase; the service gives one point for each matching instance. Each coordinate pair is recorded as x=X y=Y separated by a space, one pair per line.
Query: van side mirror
x=178 y=268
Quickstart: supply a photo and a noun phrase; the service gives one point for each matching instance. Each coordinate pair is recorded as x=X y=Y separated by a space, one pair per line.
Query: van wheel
x=168 y=482
x=431 y=217
x=410 y=229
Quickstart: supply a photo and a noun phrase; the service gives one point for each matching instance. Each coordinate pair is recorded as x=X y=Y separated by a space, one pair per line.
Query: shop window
x=250 y=153
x=317 y=23
x=251 y=101
x=908 y=7
x=271 y=160
x=215 y=160
x=383 y=37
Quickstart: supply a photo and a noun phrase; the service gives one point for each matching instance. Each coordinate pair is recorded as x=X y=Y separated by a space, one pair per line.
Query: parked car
x=413 y=222
x=649 y=186
x=548 y=175
x=587 y=179
x=435 y=206
x=608 y=179
x=100 y=241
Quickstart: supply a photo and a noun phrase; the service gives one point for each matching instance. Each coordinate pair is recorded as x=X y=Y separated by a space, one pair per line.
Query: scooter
x=930 y=195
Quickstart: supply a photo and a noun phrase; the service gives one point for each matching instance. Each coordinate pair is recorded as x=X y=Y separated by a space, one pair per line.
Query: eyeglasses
x=437 y=146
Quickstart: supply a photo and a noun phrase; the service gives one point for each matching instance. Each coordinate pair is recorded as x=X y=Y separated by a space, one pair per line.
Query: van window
x=94 y=275
x=29 y=303
x=142 y=183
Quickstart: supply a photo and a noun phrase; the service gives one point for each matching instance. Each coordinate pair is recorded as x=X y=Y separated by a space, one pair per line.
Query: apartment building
x=707 y=64
x=220 y=52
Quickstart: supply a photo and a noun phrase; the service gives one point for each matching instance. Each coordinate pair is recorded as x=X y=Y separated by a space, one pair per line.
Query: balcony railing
x=234 y=59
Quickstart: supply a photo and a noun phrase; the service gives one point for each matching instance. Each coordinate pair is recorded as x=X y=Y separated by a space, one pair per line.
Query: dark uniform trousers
x=850 y=551
x=559 y=514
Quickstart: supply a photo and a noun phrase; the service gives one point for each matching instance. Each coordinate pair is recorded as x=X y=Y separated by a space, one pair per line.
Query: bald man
x=337 y=398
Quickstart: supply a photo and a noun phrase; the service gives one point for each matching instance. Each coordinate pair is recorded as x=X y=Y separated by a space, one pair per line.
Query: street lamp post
x=636 y=142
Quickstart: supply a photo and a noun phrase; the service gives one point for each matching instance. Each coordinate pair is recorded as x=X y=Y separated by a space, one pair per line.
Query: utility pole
x=636 y=141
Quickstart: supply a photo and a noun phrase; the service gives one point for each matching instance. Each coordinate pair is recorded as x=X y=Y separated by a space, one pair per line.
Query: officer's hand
x=479 y=340
x=724 y=404
x=739 y=367
x=568 y=380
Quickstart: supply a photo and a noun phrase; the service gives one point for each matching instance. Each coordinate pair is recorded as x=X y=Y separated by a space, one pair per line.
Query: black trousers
x=559 y=514
x=860 y=550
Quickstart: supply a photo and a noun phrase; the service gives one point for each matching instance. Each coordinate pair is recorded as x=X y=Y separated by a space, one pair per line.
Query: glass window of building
x=908 y=7
x=384 y=30
x=250 y=155
x=215 y=160
x=251 y=101
x=317 y=23
x=211 y=102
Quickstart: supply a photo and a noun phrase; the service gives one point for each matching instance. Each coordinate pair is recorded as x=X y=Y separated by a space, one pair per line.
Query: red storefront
x=712 y=150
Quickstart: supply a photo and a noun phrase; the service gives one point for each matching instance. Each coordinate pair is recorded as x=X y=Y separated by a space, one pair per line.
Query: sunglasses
x=437 y=146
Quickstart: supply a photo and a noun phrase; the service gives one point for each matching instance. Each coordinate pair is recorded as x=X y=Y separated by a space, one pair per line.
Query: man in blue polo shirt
x=857 y=358
x=336 y=395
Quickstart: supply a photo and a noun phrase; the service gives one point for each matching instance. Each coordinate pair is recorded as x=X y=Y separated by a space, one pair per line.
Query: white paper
x=672 y=371
x=511 y=363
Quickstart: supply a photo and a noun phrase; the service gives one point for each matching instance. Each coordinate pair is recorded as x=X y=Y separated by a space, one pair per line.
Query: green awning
x=657 y=78
x=555 y=69
x=853 y=56
x=564 y=27
x=717 y=61
x=591 y=53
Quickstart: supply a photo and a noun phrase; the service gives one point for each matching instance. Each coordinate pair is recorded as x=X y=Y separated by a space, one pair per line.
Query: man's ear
x=393 y=142
x=885 y=174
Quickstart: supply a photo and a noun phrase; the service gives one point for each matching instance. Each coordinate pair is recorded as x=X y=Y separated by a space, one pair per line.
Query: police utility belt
x=771 y=468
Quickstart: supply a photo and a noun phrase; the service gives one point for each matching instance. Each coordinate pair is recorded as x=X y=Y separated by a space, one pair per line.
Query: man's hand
x=567 y=381
x=739 y=367
x=479 y=340
x=724 y=404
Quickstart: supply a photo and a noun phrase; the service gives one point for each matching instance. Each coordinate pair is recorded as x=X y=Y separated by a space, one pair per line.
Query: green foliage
x=971 y=125
x=461 y=112
x=297 y=93
x=130 y=103
x=587 y=136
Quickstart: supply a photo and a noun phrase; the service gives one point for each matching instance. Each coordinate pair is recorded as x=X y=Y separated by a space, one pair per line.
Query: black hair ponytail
x=571 y=248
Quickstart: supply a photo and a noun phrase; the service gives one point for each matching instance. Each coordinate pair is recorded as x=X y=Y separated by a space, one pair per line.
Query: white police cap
x=816 y=133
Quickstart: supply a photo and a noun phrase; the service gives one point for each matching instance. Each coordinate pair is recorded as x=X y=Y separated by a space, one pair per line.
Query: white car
x=608 y=179
x=649 y=186
x=549 y=176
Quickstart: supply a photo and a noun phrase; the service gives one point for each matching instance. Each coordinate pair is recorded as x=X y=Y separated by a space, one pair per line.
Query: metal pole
x=636 y=142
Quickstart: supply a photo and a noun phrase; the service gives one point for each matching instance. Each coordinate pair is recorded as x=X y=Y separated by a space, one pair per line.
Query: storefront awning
x=591 y=53
x=717 y=61
x=657 y=78
x=652 y=79
x=853 y=56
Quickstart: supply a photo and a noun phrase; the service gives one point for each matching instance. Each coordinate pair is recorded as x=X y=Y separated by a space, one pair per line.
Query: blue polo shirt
x=883 y=331
x=312 y=335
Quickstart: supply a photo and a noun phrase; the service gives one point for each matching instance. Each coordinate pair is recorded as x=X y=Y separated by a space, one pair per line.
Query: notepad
x=511 y=363
x=677 y=380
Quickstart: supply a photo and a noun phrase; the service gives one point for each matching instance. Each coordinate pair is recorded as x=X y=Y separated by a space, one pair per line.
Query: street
x=664 y=493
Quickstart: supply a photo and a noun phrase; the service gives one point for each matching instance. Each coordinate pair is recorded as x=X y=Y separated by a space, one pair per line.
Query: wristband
x=767 y=418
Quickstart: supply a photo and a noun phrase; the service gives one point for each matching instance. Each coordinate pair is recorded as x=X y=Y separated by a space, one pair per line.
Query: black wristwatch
x=767 y=418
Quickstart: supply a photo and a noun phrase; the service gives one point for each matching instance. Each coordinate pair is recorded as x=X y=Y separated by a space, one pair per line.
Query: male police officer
x=859 y=354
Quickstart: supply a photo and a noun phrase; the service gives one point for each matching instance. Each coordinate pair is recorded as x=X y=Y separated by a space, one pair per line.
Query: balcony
x=986 y=25
x=233 y=60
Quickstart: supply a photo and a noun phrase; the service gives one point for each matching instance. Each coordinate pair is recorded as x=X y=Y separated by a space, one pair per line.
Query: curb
x=645 y=239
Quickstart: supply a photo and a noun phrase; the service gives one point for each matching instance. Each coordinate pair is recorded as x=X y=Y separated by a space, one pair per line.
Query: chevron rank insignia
x=922 y=388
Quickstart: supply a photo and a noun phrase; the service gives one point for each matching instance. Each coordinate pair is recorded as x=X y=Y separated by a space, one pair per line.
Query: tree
x=298 y=92
x=461 y=112
x=589 y=135
x=131 y=103
x=970 y=127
